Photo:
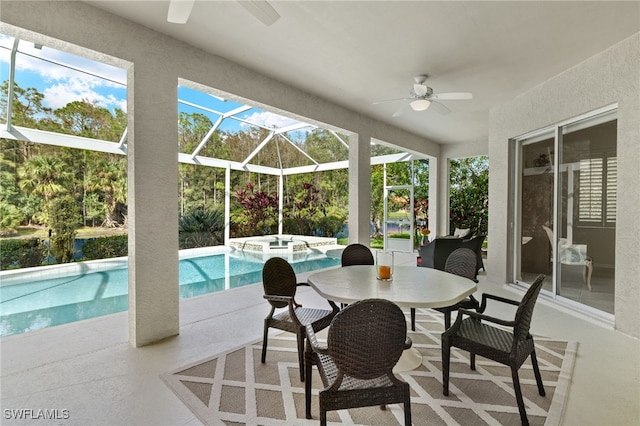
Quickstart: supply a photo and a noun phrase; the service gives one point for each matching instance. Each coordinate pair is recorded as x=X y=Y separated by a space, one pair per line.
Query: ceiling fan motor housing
x=427 y=95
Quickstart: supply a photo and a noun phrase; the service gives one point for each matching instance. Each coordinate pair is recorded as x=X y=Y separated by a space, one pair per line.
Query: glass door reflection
x=536 y=208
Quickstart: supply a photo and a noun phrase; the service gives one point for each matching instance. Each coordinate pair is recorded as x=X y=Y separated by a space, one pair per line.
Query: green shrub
x=17 y=253
x=201 y=228
x=10 y=217
x=106 y=247
x=330 y=225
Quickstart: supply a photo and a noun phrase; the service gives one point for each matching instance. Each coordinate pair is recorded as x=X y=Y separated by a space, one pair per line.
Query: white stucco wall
x=613 y=76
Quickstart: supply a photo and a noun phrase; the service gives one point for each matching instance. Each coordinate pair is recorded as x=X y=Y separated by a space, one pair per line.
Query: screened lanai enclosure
x=258 y=171
x=232 y=151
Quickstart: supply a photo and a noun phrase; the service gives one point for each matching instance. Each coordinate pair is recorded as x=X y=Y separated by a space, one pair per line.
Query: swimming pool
x=50 y=300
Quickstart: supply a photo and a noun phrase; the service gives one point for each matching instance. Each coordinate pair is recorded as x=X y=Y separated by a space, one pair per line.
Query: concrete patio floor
x=90 y=370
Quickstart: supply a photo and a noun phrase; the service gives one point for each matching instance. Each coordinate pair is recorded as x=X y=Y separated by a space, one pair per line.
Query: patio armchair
x=364 y=343
x=460 y=262
x=572 y=255
x=435 y=254
x=509 y=347
x=280 y=284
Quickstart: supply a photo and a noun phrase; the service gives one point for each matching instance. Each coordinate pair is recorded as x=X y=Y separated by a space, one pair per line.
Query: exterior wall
x=613 y=76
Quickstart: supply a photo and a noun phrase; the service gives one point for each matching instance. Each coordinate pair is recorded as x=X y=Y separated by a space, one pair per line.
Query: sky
x=64 y=78
x=102 y=83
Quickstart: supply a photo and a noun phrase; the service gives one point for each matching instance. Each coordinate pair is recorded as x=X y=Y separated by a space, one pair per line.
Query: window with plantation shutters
x=590 y=201
x=611 y=190
x=597 y=191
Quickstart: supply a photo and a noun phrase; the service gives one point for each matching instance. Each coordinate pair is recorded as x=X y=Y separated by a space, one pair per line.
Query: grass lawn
x=84 y=232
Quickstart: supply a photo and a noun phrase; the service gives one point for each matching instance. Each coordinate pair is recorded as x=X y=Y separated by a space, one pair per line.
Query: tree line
x=63 y=188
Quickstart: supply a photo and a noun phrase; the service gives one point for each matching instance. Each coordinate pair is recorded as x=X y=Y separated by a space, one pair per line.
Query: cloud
x=76 y=79
x=59 y=95
x=45 y=62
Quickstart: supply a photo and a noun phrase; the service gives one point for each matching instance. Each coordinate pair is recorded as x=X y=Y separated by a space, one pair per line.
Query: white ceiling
x=356 y=52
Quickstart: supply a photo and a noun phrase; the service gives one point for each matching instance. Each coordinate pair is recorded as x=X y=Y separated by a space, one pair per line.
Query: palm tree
x=46 y=176
x=108 y=178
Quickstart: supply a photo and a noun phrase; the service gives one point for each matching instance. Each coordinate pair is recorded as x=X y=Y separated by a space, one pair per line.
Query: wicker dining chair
x=475 y=244
x=364 y=342
x=460 y=262
x=357 y=254
x=511 y=348
x=280 y=284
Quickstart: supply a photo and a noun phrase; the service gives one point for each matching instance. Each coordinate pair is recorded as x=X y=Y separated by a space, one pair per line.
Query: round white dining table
x=409 y=287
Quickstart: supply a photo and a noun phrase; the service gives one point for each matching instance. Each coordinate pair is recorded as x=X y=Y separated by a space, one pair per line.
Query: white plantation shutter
x=598 y=190
x=612 y=184
x=590 y=192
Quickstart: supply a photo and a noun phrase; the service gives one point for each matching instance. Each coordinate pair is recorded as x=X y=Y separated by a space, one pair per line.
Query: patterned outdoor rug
x=235 y=388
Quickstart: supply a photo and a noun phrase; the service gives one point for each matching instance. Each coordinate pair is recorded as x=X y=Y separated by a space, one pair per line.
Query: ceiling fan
x=422 y=97
x=180 y=10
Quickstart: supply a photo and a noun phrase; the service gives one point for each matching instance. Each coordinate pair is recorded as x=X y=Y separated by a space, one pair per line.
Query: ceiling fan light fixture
x=420 y=104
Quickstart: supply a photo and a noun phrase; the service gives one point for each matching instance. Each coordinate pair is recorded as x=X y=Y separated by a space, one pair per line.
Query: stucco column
x=443 y=172
x=434 y=191
x=152 y=210
x=359 y=188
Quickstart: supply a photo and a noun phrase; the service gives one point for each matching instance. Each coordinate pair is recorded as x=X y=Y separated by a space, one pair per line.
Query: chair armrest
x=290 y=301
x=479 y=316
x=313 y=341
x=408 y=343
x=486 y=296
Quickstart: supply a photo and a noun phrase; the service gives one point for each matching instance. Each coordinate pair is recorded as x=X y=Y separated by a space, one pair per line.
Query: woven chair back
x=366 y=338
x=462 y=262
x=278 y=279
x=524 y=313
x=357 y=254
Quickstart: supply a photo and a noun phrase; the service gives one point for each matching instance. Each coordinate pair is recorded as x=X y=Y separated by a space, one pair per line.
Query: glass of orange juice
x=384 y=265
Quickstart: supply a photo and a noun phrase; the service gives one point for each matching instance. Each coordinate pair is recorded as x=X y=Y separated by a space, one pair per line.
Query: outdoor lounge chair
x=509 y=347
x=280 y=284
x=364 y=343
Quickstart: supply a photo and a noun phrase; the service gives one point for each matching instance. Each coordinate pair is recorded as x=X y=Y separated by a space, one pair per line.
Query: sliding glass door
x=565 y=209
x=536 y=179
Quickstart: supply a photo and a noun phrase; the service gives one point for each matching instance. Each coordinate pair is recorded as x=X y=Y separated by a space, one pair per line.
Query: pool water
x=45 y=303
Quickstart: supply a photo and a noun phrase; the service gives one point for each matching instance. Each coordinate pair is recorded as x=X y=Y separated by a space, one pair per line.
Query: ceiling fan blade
x=420 y=89
x=262 y=10
x=439 y=108
x=391 y=100
x=179 y=11
x=453 y=96
x=400 y=111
